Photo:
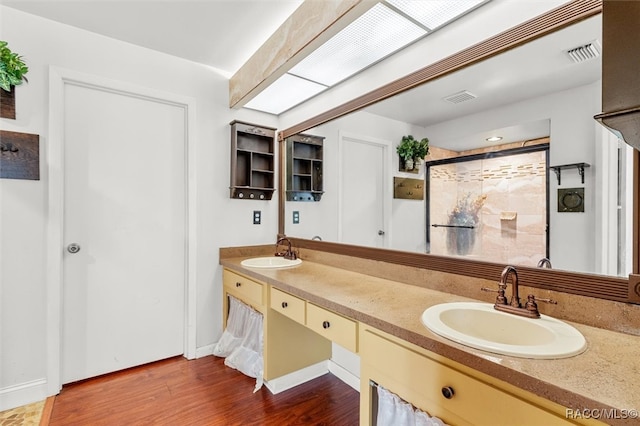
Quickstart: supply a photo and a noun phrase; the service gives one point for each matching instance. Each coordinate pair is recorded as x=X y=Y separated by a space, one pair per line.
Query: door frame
x=58 y=79
x=387 y=190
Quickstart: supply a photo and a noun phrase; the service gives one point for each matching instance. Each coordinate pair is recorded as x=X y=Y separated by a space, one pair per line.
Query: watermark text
x=602 y=413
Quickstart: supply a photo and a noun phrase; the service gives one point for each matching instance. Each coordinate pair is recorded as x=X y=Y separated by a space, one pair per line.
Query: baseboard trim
x=345 y=375
x=23 y=394
x=296 y=378
x=205 y=351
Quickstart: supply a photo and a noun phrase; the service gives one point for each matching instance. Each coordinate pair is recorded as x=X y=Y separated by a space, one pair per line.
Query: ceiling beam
x=313 y=23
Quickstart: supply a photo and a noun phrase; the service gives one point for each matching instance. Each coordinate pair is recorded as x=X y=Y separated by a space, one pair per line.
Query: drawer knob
x=448 y=392
x=326 y=324
x=285 y=304
x=238 y=284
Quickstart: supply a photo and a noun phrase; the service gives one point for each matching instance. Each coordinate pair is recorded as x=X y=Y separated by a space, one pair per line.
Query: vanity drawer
x=334 y=327
x=288 y=305
x=423 y=382
x=243 y=288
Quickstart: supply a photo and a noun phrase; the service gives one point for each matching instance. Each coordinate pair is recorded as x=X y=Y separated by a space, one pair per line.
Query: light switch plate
x=257 y=216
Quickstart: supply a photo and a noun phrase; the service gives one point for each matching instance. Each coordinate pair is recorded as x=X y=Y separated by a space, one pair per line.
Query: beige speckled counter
x=604 y=376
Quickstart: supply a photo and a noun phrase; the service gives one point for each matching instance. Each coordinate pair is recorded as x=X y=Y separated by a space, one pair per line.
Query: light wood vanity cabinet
x=288 y=345
x=455 y=393
x=298 y=334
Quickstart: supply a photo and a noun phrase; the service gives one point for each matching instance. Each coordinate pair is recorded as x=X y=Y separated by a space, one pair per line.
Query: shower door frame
x=485 y=156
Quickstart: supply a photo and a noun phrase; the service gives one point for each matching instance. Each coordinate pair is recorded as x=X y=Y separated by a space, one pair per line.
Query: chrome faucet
x=530 y=309
x=544 y=263
x=289 y=253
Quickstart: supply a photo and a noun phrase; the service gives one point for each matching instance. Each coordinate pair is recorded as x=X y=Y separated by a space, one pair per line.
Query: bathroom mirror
x=574 y=239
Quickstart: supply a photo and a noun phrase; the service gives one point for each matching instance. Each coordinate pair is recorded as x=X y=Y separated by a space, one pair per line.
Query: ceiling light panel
x=286 y=92
x=368 y=39
x=435 y=13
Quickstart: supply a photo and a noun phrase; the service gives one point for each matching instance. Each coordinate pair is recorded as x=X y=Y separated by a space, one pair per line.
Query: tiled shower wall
x=512 y=220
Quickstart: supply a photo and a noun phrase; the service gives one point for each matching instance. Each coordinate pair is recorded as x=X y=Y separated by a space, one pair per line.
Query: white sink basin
x=480 y=326
x=270 y=262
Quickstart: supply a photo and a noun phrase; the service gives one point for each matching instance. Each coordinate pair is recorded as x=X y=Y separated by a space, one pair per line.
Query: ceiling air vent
x=584 y=53
x=460 y=97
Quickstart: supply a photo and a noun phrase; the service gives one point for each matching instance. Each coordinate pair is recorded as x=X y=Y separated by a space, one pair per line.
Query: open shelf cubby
x=304 y=167
x=252 y=161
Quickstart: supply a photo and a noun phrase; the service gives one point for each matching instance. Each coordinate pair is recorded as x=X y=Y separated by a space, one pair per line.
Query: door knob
x=73 y=248
x=381 y=232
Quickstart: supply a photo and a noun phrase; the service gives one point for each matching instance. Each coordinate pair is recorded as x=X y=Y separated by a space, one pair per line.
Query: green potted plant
x=412 y=151
x=12 y=68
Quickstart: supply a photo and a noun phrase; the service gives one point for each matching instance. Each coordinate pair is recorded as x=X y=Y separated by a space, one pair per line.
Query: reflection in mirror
x=491 y=206
x=531 y=92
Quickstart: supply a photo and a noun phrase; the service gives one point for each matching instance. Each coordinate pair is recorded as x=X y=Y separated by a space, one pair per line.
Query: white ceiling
x=220 y=33
x=223 y=34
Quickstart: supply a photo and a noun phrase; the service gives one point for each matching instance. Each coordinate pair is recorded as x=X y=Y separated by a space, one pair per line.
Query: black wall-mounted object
x=252 y=161
x=570 y=200
x=579 y=166
x=8 y=103
x=304 y=167
x=19 y=155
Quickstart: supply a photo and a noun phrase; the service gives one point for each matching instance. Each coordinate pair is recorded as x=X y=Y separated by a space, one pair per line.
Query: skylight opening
x=373 y=36
x=285 y=93
x=434 y=13
x=386 y=28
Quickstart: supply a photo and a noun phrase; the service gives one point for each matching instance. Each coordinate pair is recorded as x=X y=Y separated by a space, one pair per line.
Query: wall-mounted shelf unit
x=579 y=166
x=252 y=161
x=304 y=167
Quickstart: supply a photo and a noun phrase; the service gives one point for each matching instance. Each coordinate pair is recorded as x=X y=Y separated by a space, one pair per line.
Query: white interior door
x=362 y=211
x=124 y=207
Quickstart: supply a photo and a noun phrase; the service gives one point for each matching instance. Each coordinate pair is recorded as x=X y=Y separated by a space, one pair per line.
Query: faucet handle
x=532 y=306
x=291 y=255
x=501 y=299
x=551 y=301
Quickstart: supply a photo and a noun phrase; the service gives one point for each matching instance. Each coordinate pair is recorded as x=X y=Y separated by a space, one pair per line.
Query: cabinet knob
x=285 y=304
x=326 y=324
x=447 y=392
x=238 y=284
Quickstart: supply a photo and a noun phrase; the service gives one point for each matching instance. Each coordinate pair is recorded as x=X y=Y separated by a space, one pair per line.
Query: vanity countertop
x=605 y=376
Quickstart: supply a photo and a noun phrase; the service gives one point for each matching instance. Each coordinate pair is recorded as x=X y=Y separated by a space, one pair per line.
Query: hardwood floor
x=200 y=392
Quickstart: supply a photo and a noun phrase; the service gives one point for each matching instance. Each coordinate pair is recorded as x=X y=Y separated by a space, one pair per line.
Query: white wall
x=23 y=204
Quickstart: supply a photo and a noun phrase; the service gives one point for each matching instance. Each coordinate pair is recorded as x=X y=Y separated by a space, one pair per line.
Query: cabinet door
x=332 y=326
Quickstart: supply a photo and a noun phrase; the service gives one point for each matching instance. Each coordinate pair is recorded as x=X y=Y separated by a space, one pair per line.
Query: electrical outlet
x=257 y=216
x=296 y=217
